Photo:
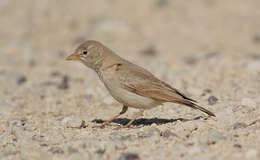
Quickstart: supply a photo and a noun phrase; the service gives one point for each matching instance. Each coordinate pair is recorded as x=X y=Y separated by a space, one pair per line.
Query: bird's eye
x=84 y=52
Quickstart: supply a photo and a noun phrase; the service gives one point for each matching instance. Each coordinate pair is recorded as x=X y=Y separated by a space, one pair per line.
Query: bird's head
x=89 y=53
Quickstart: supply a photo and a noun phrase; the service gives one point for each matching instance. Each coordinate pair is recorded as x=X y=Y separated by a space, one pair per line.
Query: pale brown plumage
x=143 y=83
x=131 y=85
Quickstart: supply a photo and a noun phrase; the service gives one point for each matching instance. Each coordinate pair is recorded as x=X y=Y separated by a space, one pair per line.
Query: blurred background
x=209 y=49
x=201 y=43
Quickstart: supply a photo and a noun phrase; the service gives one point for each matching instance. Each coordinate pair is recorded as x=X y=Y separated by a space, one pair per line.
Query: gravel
x=51 y=108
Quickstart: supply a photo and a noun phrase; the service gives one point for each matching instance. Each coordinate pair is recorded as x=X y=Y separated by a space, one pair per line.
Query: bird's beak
x=73 y=57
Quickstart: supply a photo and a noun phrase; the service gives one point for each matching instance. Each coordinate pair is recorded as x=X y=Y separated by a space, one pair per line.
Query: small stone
x=129 y=156
x=32 y=62
x=167 y=133
x=237 y=145
x=19 y=122
x=256 y=38
x=64 y=82
x=72 y=122
x=21 y=80
x=55 y=73
x=212 y=100
x=150 y=51
x=44 y=145
x=191 y=60
x=207 y=90
x=161 y=3
x=239 y=125
x=38 y=138
x=211 y=55
x=254 y=56
x=248 y=102
x=251 y=154
x=56 y=150
x=100 y=151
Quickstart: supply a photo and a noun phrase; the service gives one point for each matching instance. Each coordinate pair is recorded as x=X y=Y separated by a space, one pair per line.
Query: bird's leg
x=138 y=114
x=124 y=109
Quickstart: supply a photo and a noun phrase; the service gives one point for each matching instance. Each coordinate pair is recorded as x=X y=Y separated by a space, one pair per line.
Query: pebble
x=167 y=133
x=21 y=80
x=161 y=3
x=212 y=100
x=56 y=150
x=72 y=122
x=237 y=145
x=254 y=56
x=256 y=38
x=191 y=60
x=19 y=122
x=211 y=55
x=251 y=154
x=64 y=82
x=248 y=102
x=129 y=156
x=55 y=73
x=149 y=51
x=100 y=151
x=207 y=90
x=239 y=125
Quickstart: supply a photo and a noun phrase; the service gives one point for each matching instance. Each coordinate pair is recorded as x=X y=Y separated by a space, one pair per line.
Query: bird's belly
x=131 y=99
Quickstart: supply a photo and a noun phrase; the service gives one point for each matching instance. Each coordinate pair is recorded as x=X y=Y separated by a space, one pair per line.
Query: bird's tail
x=195 y=106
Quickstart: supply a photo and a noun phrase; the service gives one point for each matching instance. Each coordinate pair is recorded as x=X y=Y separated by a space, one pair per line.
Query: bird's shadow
x=148 y=121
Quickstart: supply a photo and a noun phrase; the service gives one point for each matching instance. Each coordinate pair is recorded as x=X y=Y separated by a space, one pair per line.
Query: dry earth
x=209 y=49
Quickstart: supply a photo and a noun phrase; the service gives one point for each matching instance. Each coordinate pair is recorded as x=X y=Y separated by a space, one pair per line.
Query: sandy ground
x=209 y=49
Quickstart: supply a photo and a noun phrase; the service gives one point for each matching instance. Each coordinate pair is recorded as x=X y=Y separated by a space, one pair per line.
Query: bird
x=129 y=84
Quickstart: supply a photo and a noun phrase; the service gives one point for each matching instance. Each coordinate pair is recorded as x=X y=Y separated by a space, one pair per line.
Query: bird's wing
x=143 y=83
